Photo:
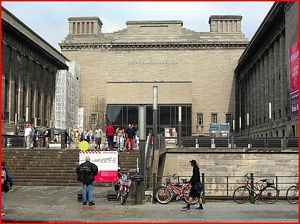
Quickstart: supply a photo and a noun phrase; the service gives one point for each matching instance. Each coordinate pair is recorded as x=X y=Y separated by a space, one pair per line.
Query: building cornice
x=151 y=46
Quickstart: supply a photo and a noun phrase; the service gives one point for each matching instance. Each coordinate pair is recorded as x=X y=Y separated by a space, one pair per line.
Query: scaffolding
x=67 y=97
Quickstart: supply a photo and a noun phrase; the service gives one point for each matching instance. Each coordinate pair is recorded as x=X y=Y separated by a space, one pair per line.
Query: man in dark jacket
x=87 y=172
x=7 y=183
x=196 y=187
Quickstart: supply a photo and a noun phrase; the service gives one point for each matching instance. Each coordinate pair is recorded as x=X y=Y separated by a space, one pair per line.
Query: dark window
x=228 y=118
x=283 y=133
x=214 y=118
x=279 y=113
x=184 y=115
x=199 y=118
x=133 y=114
x=164 y=115
x=93 y=118
x=114 y=115
x=149 y=115
x=174 y=115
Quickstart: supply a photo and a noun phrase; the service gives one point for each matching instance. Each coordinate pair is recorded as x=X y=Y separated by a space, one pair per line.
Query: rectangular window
x=93 y=118
x=214 y=118
x=228 y=118
x=200 y=118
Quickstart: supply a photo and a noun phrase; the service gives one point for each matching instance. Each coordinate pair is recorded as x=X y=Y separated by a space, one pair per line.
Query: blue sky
x=50 y=19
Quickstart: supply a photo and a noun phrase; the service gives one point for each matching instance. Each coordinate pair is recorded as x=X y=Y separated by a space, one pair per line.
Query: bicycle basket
x=270 y=182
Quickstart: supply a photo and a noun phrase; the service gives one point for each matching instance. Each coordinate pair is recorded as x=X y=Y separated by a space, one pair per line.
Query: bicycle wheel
x=241 y=195
x=186 y=194
x=292 y=195
x=269 y=194
x=163 y=195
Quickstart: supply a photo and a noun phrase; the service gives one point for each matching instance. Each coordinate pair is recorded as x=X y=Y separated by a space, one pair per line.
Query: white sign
x=104 y=160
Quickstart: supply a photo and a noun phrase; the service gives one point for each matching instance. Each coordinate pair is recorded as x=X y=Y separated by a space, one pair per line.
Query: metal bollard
x=252 y=201
x=212 y=144
x=9 y=142
x=154 y=188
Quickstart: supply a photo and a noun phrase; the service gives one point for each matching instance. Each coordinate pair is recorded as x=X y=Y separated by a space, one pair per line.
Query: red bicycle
x=181 y=191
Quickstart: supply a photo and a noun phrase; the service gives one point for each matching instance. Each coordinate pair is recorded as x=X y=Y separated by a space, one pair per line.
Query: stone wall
x=217 y=165
x=210 y=73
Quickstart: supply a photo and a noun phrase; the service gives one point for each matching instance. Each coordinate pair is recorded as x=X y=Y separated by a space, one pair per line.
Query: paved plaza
x=60 y=204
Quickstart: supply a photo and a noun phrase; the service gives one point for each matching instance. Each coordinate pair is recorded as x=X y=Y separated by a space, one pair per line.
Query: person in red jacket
x=110 y=131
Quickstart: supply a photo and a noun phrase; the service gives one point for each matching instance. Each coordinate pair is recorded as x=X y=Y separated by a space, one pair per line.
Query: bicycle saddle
x=264 y=180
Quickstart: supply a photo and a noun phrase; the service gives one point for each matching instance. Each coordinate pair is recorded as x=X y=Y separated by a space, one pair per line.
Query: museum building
x=192 y=69
x=267 y=76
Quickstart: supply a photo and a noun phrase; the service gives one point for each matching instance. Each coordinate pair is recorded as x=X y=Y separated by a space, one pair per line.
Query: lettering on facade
x=152 y=62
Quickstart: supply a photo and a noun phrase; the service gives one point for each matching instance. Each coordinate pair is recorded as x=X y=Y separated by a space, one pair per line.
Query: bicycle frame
x=178 y=191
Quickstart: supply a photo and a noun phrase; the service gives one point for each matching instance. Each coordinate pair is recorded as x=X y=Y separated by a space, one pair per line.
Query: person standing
x=28 y=136
x=47 y=136
x=120 y=137
x=7 y=183
x=130 y=137
x=110 y=131
x=98 y=136
x=87 y=172
x=196 y=187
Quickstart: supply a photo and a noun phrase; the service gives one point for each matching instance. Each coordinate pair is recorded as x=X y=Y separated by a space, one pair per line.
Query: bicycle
x=165 y=193
x=124 y=185
x=292 y=194
x=264 y=191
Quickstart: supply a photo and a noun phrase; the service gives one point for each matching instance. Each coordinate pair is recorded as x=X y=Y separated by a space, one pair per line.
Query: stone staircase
x=52 y=167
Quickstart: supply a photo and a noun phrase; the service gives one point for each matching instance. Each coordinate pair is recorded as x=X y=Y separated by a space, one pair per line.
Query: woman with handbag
x=196 y=187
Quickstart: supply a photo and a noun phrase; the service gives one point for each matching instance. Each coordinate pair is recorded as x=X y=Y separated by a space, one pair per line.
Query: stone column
x=20 y=98
x=42 y=103
x=3 y=93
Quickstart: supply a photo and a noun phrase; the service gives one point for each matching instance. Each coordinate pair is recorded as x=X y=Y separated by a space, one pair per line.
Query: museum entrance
x=121 y=115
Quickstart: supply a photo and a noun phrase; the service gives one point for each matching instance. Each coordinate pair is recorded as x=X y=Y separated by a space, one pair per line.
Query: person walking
x=28 y=136
x=130 y=137
x=120 y=138
x=110 y=131
x=87 y=172
x=7 y=183
x=196 y=187
x=98 y=133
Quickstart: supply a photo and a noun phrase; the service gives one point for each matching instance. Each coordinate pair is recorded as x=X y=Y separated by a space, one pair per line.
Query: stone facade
x=262 y=76
x=189 y=67
x=28 y=75
x=231 y=166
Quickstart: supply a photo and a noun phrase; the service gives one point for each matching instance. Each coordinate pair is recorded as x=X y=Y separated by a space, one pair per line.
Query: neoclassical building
x=192 y=69
x=267 y=76
x=29 y=66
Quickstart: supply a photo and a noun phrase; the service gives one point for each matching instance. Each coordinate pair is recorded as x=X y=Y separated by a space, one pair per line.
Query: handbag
x=198 y=187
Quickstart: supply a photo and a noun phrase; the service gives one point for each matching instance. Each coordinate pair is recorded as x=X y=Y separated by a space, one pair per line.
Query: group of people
x=33 y=137
x=118 y=138
x=87 y=171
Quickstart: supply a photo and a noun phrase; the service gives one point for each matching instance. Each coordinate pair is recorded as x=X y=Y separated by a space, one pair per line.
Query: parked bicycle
x=180 y=190
x=124 y=185
x=263 y=190
x=292 y=194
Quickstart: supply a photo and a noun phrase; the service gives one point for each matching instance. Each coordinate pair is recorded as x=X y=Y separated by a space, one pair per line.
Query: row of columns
x=27 y=89
x=264 y=83
x=82 y=28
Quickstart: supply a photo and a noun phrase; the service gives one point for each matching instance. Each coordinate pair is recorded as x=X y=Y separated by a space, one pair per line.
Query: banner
x=294 y=68
x=107 y=163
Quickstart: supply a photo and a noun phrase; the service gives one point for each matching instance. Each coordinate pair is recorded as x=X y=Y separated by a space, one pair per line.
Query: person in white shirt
x=28 y=136
x=98 y=134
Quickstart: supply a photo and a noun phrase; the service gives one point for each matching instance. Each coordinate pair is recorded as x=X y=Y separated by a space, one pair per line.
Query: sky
x=50 y=19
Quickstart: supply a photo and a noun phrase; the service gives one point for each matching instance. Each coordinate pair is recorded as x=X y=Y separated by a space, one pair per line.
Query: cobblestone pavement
x=60 y=204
